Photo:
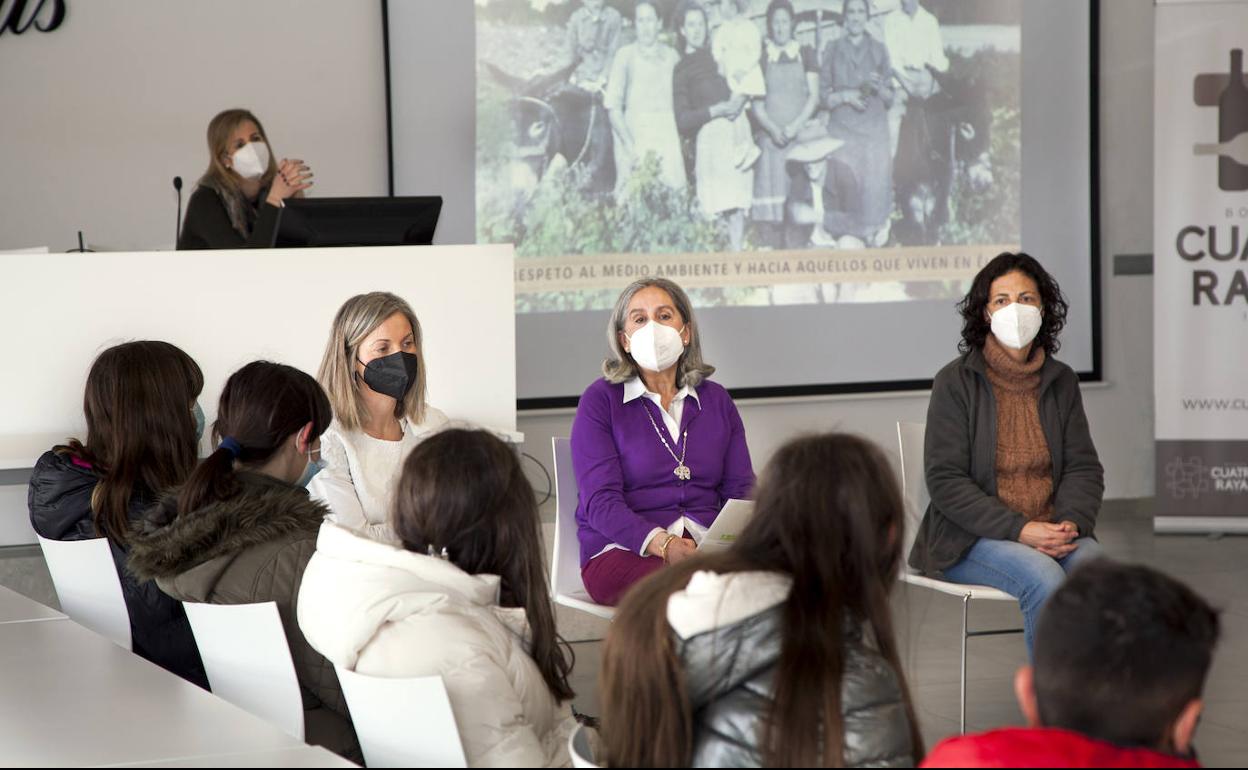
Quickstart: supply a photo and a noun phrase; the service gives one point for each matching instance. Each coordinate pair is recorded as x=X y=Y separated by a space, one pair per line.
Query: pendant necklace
x=682 y=471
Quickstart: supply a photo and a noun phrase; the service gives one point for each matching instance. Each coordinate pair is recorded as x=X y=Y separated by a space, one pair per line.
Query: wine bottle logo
x=1229 y=94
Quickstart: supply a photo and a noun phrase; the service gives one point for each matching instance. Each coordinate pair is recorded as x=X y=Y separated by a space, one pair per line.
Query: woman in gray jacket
x=1012 y=471
x=780 y=651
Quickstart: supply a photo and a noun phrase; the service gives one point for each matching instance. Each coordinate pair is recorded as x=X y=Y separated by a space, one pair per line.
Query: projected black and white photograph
x=762 y=152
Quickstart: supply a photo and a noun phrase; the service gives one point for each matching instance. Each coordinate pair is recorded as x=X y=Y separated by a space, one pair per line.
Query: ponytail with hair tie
x=212 y=479
x=267 y=403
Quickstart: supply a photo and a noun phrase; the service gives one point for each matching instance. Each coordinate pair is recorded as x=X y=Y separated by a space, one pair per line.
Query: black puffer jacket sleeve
x=59 y=499
x=159 y=629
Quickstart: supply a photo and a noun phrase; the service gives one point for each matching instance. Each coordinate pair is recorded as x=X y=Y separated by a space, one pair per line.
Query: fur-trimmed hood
x=252 y=548
x=265 y=510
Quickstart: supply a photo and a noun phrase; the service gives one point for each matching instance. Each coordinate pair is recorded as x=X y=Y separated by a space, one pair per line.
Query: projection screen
x=856 y=166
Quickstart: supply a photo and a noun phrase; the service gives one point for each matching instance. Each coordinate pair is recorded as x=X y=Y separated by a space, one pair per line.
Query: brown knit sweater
x=1024 y=465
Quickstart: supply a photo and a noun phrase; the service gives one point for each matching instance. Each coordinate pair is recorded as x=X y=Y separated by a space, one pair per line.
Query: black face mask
x=392 y=375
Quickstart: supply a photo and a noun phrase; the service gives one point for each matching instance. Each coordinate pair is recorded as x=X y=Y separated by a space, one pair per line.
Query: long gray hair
x=620 y=366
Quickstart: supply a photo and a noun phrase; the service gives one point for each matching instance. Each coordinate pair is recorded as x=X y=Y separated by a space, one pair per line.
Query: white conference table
x=71 y=697
x=305 y=756
x=15 y=608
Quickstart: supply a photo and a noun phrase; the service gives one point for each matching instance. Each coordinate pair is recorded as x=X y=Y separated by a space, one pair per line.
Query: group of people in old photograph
x=837 y=129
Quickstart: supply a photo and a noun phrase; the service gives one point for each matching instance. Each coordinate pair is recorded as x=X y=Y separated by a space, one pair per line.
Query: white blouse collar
x=635 y=388
x=791 y=49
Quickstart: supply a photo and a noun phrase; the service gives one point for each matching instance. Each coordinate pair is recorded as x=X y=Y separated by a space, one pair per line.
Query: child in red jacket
x=1121 y=656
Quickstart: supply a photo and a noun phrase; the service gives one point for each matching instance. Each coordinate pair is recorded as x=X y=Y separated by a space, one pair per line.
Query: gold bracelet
x=666 y=543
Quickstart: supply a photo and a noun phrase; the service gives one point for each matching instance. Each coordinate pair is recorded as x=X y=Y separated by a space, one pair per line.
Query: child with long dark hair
x=143 y=426
x=779 y=652
x=242 y=528
x=463 y=597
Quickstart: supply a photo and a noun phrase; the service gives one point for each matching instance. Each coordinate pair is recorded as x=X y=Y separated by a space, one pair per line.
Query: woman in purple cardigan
x=657 y=448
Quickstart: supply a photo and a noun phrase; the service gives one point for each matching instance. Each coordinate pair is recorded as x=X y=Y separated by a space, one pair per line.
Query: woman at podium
x=236 y=202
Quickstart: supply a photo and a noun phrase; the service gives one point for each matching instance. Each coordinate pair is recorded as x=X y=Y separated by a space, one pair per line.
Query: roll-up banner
x=1200 y=242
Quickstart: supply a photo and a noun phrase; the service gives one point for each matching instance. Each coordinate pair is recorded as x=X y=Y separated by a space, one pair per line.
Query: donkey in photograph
x=556 y=123
x=946 y=135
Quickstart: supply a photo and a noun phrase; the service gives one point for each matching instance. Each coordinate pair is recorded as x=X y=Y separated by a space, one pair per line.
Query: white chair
x=403 y=722
x=910 y=437
x=247 y=660
x=581 y=747
x=87 y=586
x=565 y=567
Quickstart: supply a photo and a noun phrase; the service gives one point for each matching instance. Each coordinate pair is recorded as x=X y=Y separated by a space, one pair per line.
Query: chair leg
x=966 y=603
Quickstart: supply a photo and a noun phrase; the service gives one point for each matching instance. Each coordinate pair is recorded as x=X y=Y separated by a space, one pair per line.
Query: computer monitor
x=404 y=221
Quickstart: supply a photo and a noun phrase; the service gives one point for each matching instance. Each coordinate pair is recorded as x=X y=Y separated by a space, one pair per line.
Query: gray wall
x=107 y=109
x=100 y=114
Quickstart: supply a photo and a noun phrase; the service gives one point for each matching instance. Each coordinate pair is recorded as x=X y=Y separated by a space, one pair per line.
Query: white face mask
x=656 y=346
x=252 y=160
x=1015 y=325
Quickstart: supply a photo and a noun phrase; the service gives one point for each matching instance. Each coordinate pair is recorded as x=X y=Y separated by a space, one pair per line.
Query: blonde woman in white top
x=374 y=373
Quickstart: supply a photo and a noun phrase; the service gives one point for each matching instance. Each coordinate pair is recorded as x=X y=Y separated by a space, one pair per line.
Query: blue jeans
x=1022 y=572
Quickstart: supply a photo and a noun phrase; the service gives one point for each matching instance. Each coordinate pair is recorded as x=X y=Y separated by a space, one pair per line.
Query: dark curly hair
x=975 y=324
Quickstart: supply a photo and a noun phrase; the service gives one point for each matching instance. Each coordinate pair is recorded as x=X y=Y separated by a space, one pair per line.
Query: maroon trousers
x=609 y=576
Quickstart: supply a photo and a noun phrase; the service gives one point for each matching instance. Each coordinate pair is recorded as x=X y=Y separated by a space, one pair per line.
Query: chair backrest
x=581 y=747
x=565 y=562
x=87 y=586
x=403 y=722
x=910 y=437
x=247 y=660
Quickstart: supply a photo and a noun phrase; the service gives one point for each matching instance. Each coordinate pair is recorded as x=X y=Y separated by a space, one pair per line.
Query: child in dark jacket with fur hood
x=242 y=529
